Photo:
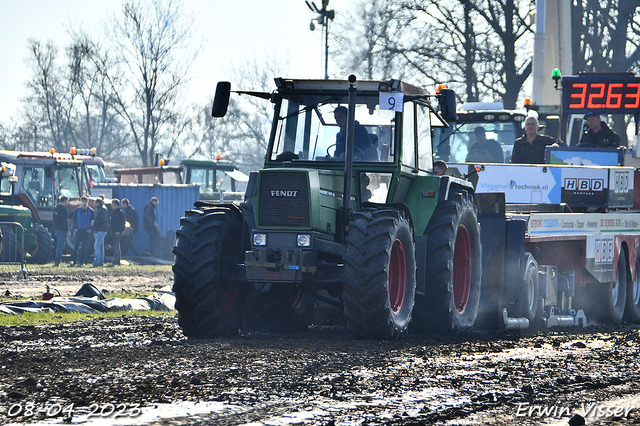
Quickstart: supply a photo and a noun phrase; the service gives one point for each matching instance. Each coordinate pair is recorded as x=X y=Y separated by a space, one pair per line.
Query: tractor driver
x=363 y=149
x=598 y=134
x=485 y=150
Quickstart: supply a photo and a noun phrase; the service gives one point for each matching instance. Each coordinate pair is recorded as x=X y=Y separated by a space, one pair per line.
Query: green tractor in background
x=16 y=222
x=346 y=213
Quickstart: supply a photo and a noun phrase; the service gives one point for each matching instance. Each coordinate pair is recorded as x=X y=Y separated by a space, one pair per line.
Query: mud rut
x=320 y=377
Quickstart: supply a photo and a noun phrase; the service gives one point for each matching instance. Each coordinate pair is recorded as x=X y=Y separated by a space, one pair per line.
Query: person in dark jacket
x=530 y=148
x=82 y=218
x=598 y=134
x=100 y=228
x=363 y=148
x=116 y=228
x=150 y=225
x=131 y=216
x=485 y=150
x=60 y=225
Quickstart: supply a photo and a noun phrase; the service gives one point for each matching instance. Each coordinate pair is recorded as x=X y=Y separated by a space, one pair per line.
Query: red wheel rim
x=462 y=267
x=397 y=276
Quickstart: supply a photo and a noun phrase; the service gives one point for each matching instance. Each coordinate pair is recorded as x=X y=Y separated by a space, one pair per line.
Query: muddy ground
x=142 y=370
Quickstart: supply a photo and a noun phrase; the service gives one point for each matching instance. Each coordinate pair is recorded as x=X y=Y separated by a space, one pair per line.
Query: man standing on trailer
x=599 y=134
x=530 y=147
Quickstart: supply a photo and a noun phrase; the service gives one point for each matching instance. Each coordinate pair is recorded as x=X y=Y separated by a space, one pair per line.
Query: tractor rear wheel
x=210 y=303
x=379 y=274
x=632 y=312
x=43 y=253
x=453 y=269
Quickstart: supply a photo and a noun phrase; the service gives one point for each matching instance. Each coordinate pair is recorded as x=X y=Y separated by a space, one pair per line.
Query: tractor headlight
x=259 y=239
x=304 y=240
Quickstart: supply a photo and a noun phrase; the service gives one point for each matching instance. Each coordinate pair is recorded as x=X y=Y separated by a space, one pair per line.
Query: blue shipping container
x=173 y=201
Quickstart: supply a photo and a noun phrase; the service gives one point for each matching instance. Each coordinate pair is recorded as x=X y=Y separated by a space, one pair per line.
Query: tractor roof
x=343 y=85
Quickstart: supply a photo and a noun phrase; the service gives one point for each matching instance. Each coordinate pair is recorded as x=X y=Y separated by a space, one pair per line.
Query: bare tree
x=154 y=43
x=96 y=122
x=481 y=48
x=366 y=40
x=49 y=99
x=243 y=134
x=606 y=38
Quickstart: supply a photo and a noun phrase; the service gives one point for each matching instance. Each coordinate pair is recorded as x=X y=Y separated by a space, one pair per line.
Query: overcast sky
x=232 y=31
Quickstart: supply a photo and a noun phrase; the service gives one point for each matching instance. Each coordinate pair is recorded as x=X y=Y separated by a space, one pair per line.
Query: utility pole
x=323 y=18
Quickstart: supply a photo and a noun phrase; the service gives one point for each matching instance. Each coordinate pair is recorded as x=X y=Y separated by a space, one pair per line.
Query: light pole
x=323 y=18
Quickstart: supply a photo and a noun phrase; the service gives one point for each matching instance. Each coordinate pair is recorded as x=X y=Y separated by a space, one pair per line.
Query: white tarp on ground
x=163 y=300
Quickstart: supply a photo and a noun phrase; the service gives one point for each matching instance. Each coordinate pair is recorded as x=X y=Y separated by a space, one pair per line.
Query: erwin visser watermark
x=593 y=410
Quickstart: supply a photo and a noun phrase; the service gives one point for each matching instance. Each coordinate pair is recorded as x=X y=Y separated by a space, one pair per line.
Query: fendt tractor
x=365 y=228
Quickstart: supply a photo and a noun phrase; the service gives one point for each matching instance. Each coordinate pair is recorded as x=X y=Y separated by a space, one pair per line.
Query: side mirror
x=447 y=101
x=221 y=100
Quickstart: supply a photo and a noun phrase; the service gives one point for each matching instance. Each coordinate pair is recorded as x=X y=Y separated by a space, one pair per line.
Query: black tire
x=605 y=303
x=9 y=247
x=453 y=269
x=207 y=251
x=379 y=274
x=632 y=311
x=530 y=297
x=45 y=249
x=283 y=308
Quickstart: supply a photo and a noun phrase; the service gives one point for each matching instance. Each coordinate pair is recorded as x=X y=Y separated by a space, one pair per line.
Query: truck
x=18 y=226
x=218 y=180
x=452 y=144
x=393 y=248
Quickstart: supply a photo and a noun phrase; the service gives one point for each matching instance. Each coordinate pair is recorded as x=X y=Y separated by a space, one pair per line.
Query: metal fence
x=12 y=245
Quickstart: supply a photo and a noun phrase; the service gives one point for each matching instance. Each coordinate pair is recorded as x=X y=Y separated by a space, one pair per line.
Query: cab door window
x=68 y=181
x=36 y=183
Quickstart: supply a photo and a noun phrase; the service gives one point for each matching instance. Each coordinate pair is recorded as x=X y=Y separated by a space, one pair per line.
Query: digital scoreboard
x=601 y=93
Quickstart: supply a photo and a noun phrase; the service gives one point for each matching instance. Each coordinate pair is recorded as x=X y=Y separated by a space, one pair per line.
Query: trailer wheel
x=453 y=269
x=632 y=312
x=530 y=300
x=44 y=250
x=379 y=274
x=207 y=251
x=282 y=308
x=607 y=301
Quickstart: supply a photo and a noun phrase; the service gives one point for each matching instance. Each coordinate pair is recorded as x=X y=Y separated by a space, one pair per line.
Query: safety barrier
x=12 y=245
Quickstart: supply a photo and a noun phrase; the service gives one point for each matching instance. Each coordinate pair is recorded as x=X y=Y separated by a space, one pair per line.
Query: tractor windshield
x=307 y=130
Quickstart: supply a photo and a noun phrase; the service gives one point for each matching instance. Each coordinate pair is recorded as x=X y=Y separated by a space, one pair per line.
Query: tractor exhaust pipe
x=348 y=155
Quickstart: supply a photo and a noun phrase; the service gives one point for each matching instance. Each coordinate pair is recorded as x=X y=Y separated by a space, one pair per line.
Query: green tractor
x=346 y=214
x=16 y=220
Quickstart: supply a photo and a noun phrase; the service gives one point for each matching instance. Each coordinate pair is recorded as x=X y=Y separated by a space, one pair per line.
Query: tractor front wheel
x=43 y=253
x=379 y=274
x=209 y=301
x=453 y=269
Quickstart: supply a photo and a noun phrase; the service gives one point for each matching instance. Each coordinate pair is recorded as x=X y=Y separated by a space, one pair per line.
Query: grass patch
x=30 y=318
x=66 y=268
